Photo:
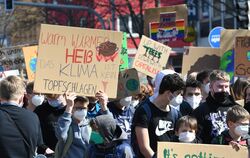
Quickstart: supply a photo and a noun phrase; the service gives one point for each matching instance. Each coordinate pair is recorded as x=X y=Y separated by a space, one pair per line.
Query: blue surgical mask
x=55 y=103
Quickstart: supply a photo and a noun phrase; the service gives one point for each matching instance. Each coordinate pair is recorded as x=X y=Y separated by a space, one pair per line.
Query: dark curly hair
x=171 y=82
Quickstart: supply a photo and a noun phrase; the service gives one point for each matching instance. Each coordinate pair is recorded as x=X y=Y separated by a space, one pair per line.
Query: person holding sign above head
x=154 y=120
x=73 y=130
x=185 y=130
x=34 y=99
x=238 y=124
x=98 y=104
x=211 y=115
x=48 y=114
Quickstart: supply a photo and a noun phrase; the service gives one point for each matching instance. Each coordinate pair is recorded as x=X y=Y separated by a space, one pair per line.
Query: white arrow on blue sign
x=214 y=37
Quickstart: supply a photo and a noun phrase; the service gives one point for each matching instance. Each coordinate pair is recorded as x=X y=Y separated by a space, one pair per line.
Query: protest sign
x=167 y=19
x=200 y=58
x=128 y=83
x=153 y=15
x=12 y=59
x=151 y=56
x=4 y=74
x=30 y=56
x=227 y=52
x=242 y=56
x=77 y=60
x=124 y=54
x=188 y=150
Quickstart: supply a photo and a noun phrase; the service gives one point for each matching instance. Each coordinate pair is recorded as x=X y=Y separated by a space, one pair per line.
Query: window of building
x=125 y=24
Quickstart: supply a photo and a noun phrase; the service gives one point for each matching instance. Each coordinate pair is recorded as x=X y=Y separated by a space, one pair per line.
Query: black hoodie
x=211 y=117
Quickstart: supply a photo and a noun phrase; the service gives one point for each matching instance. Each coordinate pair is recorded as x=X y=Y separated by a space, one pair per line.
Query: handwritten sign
x=30 y=56
x=186 y=150
x=227 y=42
x=128 y=83
x=242 y=56
x=167 y=19
x=151 y=56
x=12 y=59
x=124 y=53
x=200 y=58
x=77 y=60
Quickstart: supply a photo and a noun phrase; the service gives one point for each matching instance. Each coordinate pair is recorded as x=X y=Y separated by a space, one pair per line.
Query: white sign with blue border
x=214 y=37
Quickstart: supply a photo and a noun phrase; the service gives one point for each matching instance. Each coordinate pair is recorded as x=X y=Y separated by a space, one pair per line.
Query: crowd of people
x=206 y=108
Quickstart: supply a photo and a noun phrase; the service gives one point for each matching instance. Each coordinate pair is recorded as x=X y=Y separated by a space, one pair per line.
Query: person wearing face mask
x=34 y=99
x=73 y=131
x=185 y=131
x=123 y=113
x=48 y=113
x=114 y=139
x=192 y=97
x=154 y=120
x=211 y=115
x=203 y=78
x=238 y=128
x=247 y=98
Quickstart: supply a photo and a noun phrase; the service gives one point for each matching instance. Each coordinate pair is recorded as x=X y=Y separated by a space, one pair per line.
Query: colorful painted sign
x=189 y=150
x=214 y=37
x=128 y=83
x=77 y=60
x=30 y=56
x=167 y=33
x=124 y=54
x=242 y=56
x=167 y=20
x=227 y=42
x=151 y=56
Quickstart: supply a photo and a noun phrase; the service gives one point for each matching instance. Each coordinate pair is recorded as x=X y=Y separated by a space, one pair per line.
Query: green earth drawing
x=227 y=63
x=32 y=64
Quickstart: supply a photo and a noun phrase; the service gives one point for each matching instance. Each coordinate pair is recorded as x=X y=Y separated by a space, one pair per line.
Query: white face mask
x=134 y=103
x=176 y=101
x=186 y=137
x=194 y=101
x=126 y=101
x=37 y=100
x=207 y=88
x=80 y=114
x=241 y=130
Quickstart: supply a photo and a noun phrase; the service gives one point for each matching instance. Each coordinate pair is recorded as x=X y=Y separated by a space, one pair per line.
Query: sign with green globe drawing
x=227 y=63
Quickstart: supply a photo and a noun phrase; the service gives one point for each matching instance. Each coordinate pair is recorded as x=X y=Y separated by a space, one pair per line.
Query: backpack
x=61 y=152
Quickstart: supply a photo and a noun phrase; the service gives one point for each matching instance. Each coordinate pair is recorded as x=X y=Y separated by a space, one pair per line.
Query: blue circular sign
x=214 y=37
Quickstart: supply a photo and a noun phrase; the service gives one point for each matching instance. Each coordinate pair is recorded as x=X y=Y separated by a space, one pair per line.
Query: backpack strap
x=68 y=142
x=61 y=154
x=147 y=110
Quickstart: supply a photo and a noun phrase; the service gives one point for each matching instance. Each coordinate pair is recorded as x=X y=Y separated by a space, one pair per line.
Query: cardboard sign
x=200 y=58
x=12 y=59
x=188 y=150
x=242 y=56
x=77 y=60
x=128 y=83
x=227 y=52
x=153 y=15
x=151 y=56
x=124 y=54
x=30 y=56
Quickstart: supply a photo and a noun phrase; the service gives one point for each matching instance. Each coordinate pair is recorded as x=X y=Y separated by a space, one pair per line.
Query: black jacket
x=185 y=109
x=12 y=144
x=211 y=117
x=48 y=117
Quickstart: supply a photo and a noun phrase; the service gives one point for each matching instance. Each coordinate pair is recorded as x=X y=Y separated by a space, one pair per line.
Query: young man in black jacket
x=20 y=132
x=211 y=114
